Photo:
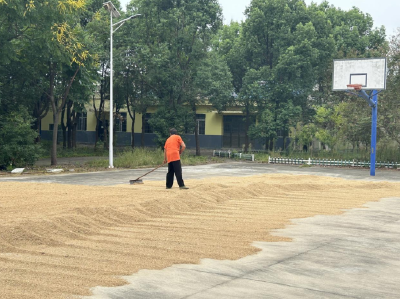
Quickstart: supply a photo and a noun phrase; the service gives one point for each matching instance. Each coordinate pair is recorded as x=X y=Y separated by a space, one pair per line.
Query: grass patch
x=261 y=157
x=188 y=159
x=79 y=151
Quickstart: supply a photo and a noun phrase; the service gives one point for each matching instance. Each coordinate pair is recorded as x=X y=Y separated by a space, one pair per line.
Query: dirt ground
x=59 y=241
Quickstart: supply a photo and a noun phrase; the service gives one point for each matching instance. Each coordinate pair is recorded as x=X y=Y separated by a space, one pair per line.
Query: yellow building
x=216 y=130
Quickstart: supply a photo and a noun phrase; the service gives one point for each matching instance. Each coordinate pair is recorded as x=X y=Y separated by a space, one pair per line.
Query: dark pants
x=174 y=168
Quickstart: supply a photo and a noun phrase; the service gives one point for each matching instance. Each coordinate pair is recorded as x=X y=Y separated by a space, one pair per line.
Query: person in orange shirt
x=173 y=148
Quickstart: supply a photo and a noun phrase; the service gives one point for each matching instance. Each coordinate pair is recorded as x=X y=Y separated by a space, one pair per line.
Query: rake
x=139 y=181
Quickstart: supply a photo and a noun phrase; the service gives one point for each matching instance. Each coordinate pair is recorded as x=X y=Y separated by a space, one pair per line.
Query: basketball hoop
x=356 y=87
x=357 y=77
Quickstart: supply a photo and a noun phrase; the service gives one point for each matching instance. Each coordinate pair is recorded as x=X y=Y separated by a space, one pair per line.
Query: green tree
x=306 y=135
x=66 y=58
x=328 y=121
x=250 y=99
x=286 y=48
x=20 y=72
x=93 y=22
x=389 y=103
x=133 y=64
x=292 y=45
x=49 y=48
x=97 y=22
x=211 y=84
x=356 y=121
x=17 y=146
x=229 y=44
x=173 y=41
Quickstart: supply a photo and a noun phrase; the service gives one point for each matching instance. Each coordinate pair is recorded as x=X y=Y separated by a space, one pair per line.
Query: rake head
x=133 y=182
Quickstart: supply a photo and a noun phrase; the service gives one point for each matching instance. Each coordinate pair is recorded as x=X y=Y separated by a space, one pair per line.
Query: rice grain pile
x=58 y=241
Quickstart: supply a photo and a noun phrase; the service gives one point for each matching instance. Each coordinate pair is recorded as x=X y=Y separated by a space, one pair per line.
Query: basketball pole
x=373 y=131
x=372 y=100
x=361 y=75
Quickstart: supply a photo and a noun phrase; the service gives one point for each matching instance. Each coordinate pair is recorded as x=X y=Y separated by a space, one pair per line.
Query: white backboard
x=369 y=72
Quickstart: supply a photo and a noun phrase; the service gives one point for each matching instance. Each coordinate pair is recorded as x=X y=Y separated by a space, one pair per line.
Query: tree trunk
x=196 y=131
x=37 y=129
x=103 y=121
x=105 y=132
x=64 y=128
x=56 y=107
x=39 y=112
x=133 y=134
x=196 y=136
x=74 y=135
x=143 y=127
x=69 y=123
x=132 y=115
x=97 y=113
x=100 y=111
x=247 y=125
x=97 y=134
x=55 y=135
x=284 y=139
x=56 y=114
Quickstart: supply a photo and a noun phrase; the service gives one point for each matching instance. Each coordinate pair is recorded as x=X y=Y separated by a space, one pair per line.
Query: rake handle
x=150 y=171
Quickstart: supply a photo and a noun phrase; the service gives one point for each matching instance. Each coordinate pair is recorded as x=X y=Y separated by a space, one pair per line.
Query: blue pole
x=373 y=132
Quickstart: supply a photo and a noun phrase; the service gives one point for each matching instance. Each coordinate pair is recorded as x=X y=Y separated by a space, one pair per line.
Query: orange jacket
x=173 y=148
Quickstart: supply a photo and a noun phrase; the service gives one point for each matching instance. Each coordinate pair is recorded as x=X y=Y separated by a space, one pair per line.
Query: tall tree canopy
x=172 y=43
x=47 y=48
x=276 y=65
x=281 y=60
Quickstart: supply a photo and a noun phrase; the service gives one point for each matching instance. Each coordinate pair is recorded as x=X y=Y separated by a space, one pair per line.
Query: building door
x=234 y=131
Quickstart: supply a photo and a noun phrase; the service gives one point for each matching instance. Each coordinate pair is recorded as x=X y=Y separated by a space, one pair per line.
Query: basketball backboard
x=369 y=72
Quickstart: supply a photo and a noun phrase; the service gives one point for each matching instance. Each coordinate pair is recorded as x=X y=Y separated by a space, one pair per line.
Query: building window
x=81 y=121
x=120 y=123
x=201 y=123
x=51 y=127
x=147 y=127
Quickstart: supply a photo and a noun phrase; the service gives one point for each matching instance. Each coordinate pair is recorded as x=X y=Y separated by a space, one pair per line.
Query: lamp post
x=113 y=13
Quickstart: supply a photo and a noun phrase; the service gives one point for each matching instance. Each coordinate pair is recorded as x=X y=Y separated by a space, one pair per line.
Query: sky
x=383 y=12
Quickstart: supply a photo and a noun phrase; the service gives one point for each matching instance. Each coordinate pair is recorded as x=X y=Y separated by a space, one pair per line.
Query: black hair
x=173 y=131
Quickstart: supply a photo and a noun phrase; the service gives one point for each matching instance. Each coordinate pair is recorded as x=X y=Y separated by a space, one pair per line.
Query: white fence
x=229 y=154
x=309 y=161
x=329 y=162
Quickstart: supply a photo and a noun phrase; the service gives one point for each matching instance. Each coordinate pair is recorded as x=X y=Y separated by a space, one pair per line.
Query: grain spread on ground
x=59 y=241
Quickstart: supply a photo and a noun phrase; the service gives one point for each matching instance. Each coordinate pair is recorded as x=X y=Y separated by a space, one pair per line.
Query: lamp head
x=135 y=16
x=111 y=8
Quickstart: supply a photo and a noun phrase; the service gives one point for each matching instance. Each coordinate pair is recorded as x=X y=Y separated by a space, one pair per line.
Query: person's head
x=173 y=131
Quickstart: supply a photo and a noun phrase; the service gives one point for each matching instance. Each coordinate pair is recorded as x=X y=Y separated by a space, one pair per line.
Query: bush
x=17 y=140
x=139 y=157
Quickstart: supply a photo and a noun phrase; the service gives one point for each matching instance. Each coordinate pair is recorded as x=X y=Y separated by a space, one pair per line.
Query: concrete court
x=116 y=176
x=353 y=255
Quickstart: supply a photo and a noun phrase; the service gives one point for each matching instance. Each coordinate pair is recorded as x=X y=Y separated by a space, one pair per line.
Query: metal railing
x=309 y=161
x=330 y=162
x=229 y=154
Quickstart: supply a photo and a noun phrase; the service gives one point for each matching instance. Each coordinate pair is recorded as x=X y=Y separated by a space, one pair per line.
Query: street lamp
x=113 y=13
